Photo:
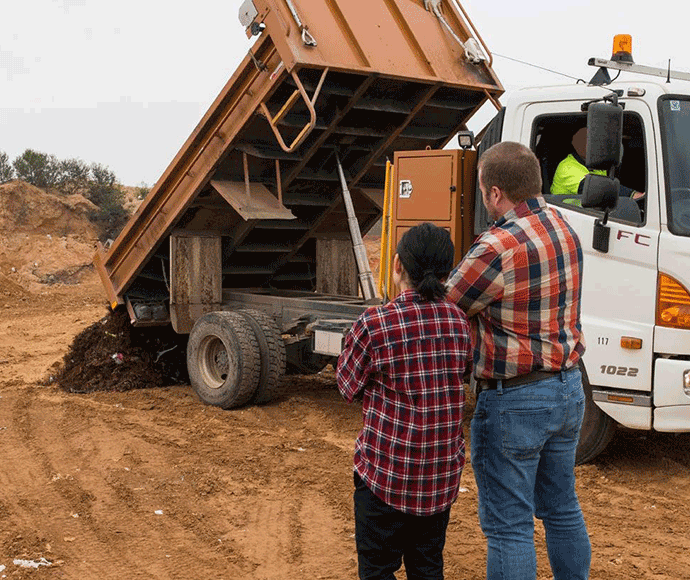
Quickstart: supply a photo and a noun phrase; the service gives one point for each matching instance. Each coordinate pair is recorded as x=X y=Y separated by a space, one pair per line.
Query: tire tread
x=271 y=352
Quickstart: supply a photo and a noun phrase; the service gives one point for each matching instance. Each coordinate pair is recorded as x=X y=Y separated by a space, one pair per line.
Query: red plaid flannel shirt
x=408 y=358
x=520 y=284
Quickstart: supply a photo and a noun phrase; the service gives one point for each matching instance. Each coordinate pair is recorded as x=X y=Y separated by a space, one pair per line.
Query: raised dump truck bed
x=245 y=200
x=246 y=241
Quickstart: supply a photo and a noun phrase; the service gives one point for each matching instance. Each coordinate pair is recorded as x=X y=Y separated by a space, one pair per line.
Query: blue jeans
x=523 y=455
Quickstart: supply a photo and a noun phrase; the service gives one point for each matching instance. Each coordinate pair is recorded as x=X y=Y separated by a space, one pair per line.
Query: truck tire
x=597 y=427
x=271 y=354
x=223 y=359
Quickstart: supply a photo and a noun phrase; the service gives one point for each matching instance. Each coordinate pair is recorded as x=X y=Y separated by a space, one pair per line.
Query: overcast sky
x=124 y=83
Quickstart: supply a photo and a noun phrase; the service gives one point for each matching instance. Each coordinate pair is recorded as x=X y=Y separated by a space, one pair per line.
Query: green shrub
x=103 y=189
x=105 y=192
x=96 y=182
x=73 y=176
x=37 y=168
x=6 y=169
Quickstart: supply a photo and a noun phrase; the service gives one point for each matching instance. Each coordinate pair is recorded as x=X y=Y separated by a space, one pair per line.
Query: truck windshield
x=675 y=122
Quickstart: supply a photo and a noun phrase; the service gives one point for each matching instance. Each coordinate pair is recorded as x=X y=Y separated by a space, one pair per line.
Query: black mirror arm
x=604 y=220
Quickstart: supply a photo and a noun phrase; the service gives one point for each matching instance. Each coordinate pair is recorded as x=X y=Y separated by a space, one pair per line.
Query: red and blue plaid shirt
x=520 y=284
x=408 y=358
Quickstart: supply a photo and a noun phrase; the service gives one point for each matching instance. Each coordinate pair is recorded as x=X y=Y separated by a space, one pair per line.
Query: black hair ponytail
x=426 y=252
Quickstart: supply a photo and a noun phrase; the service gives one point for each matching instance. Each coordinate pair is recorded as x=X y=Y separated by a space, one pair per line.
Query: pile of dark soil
x=112 y=355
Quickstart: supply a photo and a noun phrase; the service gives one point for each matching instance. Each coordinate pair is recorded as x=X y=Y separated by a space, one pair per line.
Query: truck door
x=672 y=335
x=619 y=286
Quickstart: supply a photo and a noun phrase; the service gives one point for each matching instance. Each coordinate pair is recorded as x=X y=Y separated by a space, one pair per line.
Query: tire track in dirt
x=38 y=511
x=104 y=519
x=171 y=482
x=269 y=465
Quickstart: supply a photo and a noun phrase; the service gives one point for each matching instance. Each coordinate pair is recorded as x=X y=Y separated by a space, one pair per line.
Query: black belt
x=534 y=376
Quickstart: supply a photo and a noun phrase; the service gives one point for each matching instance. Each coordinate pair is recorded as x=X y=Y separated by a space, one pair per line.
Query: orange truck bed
x=259 y=170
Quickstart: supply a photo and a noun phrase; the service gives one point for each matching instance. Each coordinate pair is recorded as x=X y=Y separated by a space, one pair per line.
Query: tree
x=73 y=176
x=6 y=169
x=104 y=192
x=37 y=168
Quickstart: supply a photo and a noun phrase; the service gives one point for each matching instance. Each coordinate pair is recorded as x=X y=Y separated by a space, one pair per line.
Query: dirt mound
x=32 y=261
x=133 y=198
x=111 y=355
x=25 y=208
x=45 y=238
x=10 y=289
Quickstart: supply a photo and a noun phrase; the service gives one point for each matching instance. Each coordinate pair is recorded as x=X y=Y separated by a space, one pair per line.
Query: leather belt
x=534 y=376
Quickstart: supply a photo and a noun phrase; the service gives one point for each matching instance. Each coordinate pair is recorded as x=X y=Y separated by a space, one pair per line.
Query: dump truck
x=251 y=242
x=245 y=242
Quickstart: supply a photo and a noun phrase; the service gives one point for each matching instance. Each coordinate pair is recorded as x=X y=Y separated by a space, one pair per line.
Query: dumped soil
x=111 y=355
x=150 y=483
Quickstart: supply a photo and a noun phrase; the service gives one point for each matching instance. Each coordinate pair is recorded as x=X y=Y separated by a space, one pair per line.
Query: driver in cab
x=572 y=170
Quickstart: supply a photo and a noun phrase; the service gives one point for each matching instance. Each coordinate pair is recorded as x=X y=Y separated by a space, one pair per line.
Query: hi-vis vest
x=568 y=175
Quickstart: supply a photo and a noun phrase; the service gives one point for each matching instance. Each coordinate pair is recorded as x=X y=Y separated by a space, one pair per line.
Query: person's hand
x=638 y=194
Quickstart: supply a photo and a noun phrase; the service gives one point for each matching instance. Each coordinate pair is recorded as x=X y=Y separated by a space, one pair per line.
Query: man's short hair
x=513 y=168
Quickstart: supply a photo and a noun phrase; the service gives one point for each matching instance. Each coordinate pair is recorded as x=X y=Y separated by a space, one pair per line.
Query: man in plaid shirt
x=520 y=284
x=407 y=359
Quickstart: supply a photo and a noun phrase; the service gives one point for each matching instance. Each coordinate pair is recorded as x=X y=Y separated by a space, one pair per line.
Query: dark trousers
x=386 y=537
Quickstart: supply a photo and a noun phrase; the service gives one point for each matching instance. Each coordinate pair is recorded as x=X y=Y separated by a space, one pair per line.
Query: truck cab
x=635 y=302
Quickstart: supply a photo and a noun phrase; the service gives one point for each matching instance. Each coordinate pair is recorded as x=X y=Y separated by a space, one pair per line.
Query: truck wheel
x=223 y=359
x=597 y=428
x=271 y=353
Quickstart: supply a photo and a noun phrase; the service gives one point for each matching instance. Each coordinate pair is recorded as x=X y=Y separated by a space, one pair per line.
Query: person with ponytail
x=406 y=360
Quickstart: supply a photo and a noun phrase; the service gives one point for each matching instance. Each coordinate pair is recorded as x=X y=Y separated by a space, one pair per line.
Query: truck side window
x=675 y=131
x=553 y=142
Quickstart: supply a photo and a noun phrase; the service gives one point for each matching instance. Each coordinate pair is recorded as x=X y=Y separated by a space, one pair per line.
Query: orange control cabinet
x=434 y=186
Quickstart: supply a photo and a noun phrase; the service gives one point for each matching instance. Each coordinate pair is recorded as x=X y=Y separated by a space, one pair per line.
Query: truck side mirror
x=604 y=136
x=599 y=192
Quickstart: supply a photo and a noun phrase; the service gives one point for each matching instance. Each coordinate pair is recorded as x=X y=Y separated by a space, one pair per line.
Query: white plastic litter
x=158 y=512
x=32 y=564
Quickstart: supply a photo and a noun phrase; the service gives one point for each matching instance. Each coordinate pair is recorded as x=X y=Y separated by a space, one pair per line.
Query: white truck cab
x=636 y=299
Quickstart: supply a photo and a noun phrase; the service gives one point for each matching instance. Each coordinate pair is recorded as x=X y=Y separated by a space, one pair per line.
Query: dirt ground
x=152 y=484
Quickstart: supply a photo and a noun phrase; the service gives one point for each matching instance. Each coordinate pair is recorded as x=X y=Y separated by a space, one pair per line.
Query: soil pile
x=111 y=355
x=10 y=289
x=25 y=208
x=45 y=238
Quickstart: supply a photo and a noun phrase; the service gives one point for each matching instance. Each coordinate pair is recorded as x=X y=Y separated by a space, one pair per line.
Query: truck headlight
x=686 y=382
